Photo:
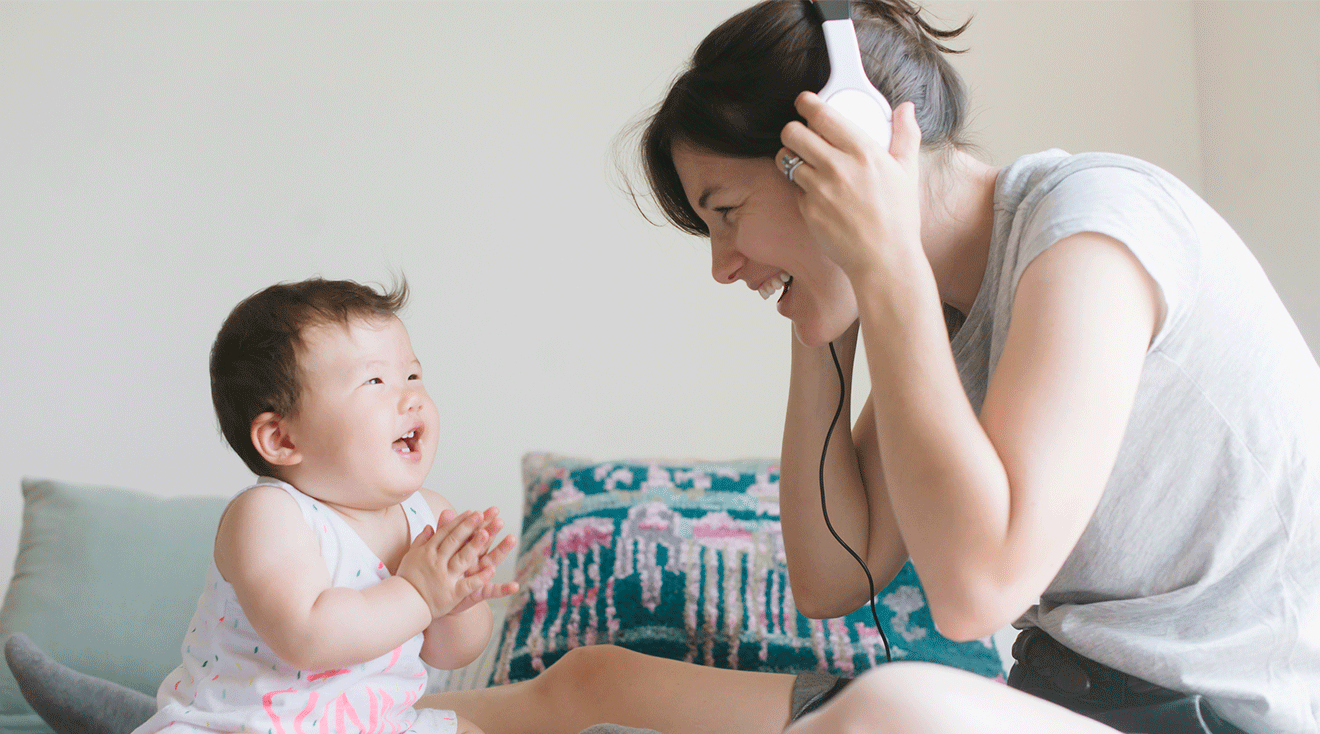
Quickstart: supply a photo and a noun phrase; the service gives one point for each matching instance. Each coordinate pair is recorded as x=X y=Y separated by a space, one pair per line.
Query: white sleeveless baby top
x=230 y=680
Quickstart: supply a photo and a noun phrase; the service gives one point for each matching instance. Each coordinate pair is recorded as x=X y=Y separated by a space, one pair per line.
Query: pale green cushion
x=105 y=582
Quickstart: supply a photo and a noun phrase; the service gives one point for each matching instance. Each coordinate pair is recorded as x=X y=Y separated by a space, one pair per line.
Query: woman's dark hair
x=737 y=93
x=254 y=362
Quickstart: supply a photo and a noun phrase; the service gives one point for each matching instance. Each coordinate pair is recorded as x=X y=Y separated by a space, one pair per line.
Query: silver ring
x=789 y=164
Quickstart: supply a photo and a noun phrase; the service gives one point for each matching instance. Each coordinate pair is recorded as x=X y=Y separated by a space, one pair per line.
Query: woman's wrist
x=891 y=261
x=890 y=292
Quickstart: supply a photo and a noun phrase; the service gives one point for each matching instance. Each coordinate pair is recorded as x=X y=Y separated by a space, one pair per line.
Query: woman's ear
x=272 y=440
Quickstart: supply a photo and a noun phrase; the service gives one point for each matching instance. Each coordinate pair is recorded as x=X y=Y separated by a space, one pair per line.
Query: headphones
x=849 y=90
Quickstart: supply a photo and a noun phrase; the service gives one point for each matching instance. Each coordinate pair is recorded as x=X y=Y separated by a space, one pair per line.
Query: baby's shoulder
x=260 y=521
x=261 y=502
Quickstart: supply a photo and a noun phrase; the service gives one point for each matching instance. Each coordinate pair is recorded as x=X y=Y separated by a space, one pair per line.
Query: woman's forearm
x=946 y=484
x=826 y=579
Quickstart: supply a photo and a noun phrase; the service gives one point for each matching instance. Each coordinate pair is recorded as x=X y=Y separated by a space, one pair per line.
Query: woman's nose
x=725 y=260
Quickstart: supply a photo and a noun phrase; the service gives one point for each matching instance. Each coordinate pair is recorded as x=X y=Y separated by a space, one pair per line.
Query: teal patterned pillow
x=686 y=561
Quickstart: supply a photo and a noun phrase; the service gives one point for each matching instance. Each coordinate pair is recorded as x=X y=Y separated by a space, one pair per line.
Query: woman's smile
x=770 y=287
x=782 y=304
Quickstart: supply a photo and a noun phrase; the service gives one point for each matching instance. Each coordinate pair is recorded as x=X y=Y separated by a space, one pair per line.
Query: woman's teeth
x=773 y=285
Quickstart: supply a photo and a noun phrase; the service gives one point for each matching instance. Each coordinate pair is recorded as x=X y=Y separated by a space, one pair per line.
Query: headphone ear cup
x=848 y=89
x=866 y=113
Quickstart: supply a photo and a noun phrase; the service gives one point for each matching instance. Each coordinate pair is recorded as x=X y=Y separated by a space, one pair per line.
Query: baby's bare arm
x=455 y=640
x=265 y=549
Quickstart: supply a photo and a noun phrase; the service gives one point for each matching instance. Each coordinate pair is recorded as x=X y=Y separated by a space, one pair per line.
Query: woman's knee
x=587 y=669
x=580 y=680
x=902 y=695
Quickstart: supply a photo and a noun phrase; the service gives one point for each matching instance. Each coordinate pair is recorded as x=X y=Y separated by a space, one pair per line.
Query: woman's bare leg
x=925 y=698
x=602 y=684
x=467 y=727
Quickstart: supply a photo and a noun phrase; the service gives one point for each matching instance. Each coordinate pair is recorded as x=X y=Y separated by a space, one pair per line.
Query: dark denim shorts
x=1047 y=669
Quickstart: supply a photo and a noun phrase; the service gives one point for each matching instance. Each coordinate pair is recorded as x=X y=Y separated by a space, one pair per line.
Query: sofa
x=680 y=559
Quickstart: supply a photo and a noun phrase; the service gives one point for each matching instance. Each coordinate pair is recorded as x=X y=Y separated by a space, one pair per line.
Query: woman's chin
x=816 y=334
x=806 y=338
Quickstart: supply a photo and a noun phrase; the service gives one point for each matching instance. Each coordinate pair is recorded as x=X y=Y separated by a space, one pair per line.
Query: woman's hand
x=861 y=203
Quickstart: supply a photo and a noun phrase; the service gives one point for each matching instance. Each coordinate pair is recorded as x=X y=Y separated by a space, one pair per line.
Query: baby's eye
x=375 y=381
x=414 y=376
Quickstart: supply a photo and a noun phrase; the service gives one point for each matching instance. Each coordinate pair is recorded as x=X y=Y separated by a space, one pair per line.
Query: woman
x=1090 y=414
x=1119 y=440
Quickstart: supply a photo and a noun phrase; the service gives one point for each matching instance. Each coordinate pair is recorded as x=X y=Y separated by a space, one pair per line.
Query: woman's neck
x=957 y=220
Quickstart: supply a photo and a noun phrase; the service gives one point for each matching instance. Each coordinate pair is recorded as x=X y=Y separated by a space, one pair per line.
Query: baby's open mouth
x=407 y=443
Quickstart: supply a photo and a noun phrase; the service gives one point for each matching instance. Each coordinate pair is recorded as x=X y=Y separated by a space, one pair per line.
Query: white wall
x=158 y=162
x=1258 y=71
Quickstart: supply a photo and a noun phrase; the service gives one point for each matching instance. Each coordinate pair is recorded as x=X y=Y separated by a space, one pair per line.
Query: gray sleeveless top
x=1200 y=569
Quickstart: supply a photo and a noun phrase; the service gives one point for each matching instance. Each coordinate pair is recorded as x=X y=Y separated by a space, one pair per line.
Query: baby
x=336 y=574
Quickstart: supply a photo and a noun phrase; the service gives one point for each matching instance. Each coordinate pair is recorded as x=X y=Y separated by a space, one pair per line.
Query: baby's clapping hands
x=451 y=566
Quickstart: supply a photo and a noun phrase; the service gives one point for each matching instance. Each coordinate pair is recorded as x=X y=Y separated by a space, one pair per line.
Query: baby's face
x=365 y=427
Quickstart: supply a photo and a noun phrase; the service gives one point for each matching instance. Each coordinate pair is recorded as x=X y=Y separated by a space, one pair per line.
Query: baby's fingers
x=427 y=533
x=451 y=536
x=468 y=558
x=495 y=556
x=494 y=525
x=494 y=591
x=491 y=520
x=469 y=585
x=461 y=552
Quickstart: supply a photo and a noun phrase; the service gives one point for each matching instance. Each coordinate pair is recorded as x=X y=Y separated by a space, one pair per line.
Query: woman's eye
x=723 y=211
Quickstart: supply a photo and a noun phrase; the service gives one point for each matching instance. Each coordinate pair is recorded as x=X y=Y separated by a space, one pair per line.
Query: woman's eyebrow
x=701 y=202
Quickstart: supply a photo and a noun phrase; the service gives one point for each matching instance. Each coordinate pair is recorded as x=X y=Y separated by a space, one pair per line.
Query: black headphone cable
x=843 y=390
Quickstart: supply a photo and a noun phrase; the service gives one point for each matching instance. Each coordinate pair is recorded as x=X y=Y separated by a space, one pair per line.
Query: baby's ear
x=272 y=440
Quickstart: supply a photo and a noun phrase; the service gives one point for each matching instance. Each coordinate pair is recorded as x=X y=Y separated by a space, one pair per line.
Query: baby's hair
x=254 y=363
